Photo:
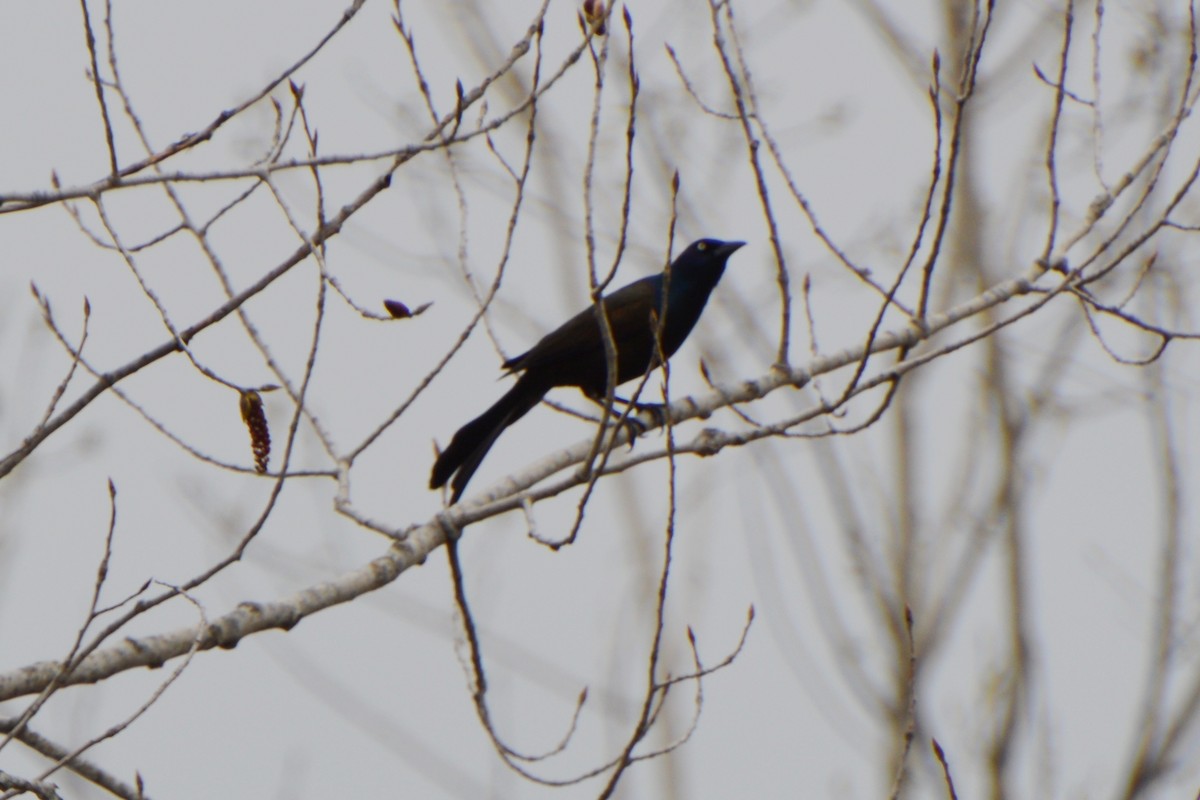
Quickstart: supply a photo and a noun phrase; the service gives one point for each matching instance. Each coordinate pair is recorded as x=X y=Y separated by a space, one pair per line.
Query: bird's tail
x=473 y=440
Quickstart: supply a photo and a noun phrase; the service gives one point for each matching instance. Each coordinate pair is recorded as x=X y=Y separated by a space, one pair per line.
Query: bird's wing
x=580 y=338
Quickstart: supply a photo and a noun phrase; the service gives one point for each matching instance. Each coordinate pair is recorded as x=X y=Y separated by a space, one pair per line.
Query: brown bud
x=595 y=14
x=397 y=309
x=400 y=311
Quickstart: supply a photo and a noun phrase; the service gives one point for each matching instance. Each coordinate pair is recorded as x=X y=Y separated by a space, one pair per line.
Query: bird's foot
x=656 y=410
x=635 y=426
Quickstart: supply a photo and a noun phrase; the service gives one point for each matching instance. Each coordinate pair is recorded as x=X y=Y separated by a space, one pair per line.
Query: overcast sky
x=371 y=699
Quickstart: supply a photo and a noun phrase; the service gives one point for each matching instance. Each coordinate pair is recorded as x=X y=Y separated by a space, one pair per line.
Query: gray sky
x=371 y=698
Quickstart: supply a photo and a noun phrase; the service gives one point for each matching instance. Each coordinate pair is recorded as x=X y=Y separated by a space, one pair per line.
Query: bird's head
x=705 y=257
x=699 y=267
x=710 y=250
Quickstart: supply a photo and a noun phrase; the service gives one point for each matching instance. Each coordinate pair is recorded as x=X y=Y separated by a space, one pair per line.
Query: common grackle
x=573 y=354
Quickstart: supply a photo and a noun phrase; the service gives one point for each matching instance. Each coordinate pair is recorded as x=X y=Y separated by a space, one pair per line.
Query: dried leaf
x=256 y=422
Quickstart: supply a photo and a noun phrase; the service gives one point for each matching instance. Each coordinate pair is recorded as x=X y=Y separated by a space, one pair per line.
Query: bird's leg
x=656 y=410
x=631 y=423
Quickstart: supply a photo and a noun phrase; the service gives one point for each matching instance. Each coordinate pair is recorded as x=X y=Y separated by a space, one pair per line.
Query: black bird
x=573 y=354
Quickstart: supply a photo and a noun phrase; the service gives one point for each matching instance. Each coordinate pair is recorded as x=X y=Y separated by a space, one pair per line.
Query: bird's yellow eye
x=702 y=246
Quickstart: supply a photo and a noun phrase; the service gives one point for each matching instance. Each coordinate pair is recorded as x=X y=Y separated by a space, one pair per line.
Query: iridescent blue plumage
x=574 y=355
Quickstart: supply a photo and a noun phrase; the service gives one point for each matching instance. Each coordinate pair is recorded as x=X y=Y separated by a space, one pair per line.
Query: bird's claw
x=656 y=410
x=634 y=427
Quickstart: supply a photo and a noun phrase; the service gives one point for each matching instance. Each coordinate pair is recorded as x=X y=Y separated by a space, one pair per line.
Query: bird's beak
x=729 y=248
